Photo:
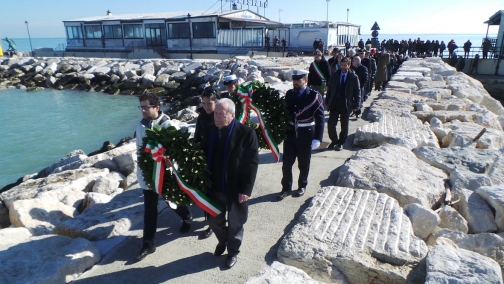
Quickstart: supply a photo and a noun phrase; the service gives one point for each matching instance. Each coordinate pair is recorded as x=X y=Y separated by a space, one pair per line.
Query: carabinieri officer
x=306 y=109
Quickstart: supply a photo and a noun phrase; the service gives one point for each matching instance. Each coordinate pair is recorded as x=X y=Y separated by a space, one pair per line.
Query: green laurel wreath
x=273 y=109
x=182 y=151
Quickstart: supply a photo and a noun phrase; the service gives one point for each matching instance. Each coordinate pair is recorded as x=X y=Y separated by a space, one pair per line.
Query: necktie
x=343 y=79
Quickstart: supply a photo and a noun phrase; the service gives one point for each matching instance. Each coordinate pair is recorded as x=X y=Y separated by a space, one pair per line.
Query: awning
x=495 y=20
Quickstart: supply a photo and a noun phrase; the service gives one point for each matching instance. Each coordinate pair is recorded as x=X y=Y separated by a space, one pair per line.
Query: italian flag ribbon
x=320 y=74
x=203 y=201
x=245 y=94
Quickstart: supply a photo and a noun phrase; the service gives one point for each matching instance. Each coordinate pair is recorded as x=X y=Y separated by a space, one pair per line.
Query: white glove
x=315 y=144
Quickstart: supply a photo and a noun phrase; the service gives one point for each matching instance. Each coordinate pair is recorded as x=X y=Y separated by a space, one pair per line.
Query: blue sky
x=394 y=17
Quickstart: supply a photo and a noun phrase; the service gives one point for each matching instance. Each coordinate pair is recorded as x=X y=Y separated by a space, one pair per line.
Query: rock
x=423 y=220
x=148 y=79
x=39 y=215
x=279 y=273
x=449 y=265
x=360 y=233
x=39 y=78
x=405 y=131
x=93 y=198
x=162 y=80
x=496 y=172
x=431 y=85
x=452 y=220
x=50 y=81
x=270 y=79
x=106 y=159
x=194 y=66
x=486 y=120
x=187 y=115
x=10 y=237
x=405 y=178
x=445 y=242
x=126 y=162
x=74 y=199
x=4 y=216
x=487 y=244
x=435 y=94
x=437 y=127
x=103 y=221
x=449 y=159
x=393 y=94
x=56 y=185
x=98 y=70
x=475 y=211
x=401 y=85
x=77 y=155
x=179 y=77
x=494 y=196
x=472 y=94
x=462 y=134
x=390 y=108
x=109 y=184
x=461 y=178
x=147 y=69
x=131 y=66
x=422 y=107
x=48 y=259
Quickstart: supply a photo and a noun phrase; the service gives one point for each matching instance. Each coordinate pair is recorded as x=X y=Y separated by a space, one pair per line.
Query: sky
x=45 y=18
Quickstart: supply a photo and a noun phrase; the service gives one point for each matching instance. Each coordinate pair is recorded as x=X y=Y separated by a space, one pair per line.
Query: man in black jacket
x=362 y=72
x=306 y=109
x=343 y=95
x=232 y=157
x=319 y=73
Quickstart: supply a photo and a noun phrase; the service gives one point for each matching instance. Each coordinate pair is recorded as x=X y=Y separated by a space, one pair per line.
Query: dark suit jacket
x=242 y=159
x=313 y=78
x=314 y=114
x=362 y=72
x=352 y=91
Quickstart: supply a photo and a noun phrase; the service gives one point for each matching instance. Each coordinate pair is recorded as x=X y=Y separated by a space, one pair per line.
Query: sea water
x=39 y=128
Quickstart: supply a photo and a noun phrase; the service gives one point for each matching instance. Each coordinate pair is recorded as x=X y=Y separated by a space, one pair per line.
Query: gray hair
x=230 y=104
x=357 y=58
x=351 y=51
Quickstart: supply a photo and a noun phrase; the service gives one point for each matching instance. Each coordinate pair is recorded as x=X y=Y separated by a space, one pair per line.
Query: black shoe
x=357 y=116
x=144 y=252
x=352 y=114
x=186 y=226
x=219 y=249
x=231 y=260
x=338 y=147
x=206 y=233
x=331 y=146
x=282 y=195
x=300 y=192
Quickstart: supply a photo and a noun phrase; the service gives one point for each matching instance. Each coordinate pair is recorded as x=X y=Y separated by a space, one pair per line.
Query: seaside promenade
x=183 y=258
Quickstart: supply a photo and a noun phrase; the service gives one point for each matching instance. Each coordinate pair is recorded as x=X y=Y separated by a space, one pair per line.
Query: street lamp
x=347 y=10
x=29 y=37
x=279 y=11
x=327 y=17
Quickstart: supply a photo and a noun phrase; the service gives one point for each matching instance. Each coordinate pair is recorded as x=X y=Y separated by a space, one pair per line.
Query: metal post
x=327 y=16
x=279 y=18
x=347 y=11
x=29 y=37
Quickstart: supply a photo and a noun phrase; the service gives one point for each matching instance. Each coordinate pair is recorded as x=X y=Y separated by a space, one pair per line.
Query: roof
x=165 y=15
x=495 y=19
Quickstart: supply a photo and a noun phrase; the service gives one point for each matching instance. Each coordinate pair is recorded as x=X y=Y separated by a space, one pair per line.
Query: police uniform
x=306 y=130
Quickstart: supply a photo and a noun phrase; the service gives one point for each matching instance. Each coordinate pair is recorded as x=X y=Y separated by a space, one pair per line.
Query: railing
x=247 y=45
x=60 y=47
x=131 y=48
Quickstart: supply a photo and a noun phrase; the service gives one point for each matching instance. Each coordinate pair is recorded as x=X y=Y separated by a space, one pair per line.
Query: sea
x=39 y=128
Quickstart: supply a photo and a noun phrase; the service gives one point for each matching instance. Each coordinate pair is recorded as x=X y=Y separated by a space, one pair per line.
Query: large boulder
x=408 y=132
x=46 y=259
x=40 y=215
x=74 y=156
x=111 y=184
x=55 y=185
x=463 y=133
x=401 y=96
x=389 y=108
x=279 y=273
x=449 y=159
x=103 y=221
x=475 y=210
x=423 y=220
x=401 y=85
x=13 y=236
x=486 y=119
x=362 y=234
x=405 y=178
x=452 y=220
x=434 y=94
x=494 y=196
x=448 y=265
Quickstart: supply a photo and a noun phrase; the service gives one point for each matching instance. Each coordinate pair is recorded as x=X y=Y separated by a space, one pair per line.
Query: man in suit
x=233 y=157
x=343 y=95
x=306 y=109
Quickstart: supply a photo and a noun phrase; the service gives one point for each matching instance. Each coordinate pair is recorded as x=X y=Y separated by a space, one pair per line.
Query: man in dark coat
x=232 y=158
x=343 y=96
x=276 y=43
x=467 y=48
x=382 y=62
x=370 y=64
x=306 y=109
x=319 y=73
x=486 y=47
x=362 y=73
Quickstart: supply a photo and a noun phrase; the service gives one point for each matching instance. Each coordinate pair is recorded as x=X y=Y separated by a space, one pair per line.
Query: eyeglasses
x=145 y=107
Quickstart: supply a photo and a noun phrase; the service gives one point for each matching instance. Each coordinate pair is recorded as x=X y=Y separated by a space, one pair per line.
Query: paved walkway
x=186 y=259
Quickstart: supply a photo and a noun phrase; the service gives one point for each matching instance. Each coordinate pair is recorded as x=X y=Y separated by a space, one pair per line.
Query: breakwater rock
x=422 y=201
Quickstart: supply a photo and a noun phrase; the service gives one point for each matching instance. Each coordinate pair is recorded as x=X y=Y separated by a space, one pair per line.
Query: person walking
x=319 y=73
x=284 y=44
x=276 y=42
x=382 y=61
x=343 y=96
x=232 y=153
x=442 y=47
x=362 y=73
x=152 y=117
x=306 y=109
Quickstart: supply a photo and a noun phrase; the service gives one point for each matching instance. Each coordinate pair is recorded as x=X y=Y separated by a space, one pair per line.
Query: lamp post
x=29 y=37
x=347 y=11
x=327 y=16
x=279 y=19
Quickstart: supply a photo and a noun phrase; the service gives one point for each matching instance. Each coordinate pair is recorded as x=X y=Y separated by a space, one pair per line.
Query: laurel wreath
x=185 y=154
x=273 y=109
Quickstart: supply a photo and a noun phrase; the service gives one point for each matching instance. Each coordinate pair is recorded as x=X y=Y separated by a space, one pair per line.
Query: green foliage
x=185 y=153
x=273 y=109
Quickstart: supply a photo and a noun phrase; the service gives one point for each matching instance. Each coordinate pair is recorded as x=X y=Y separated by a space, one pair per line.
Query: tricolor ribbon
x=320 y=75
x=203 y=201
x=245 y=94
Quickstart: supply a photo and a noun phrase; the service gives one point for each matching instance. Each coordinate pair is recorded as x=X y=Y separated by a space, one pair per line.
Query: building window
x=203 y=30
x=114 y=31
x=93 y=31
x=179 y=30
x=74 y=32
x=133 y=31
